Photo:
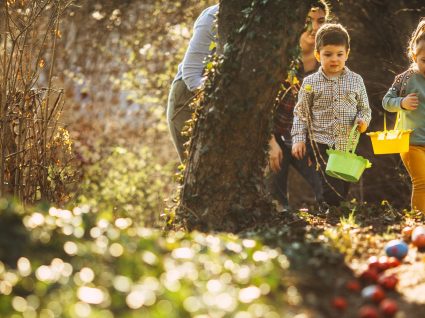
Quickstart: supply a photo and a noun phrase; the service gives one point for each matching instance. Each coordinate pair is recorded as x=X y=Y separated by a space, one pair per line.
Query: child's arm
x=392 y=100
x=363 y=109
x=301 y=115
x=392 y=103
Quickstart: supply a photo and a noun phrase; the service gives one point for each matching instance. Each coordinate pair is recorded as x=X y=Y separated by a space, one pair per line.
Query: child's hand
x=410 y=102
x=298 y=150
x=275 y=155
x=361 y=125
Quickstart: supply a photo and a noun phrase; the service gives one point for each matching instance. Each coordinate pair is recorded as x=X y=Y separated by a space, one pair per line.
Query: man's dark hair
x=332 y=34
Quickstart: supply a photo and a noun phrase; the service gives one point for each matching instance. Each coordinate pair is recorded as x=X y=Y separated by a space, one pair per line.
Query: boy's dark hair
x=332 y=34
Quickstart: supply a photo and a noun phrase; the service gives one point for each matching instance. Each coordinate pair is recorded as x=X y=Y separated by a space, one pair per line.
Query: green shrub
x=127 y=184
x=79 y=264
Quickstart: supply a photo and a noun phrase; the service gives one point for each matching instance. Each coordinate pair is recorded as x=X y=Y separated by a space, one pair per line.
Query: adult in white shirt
x=189 y=77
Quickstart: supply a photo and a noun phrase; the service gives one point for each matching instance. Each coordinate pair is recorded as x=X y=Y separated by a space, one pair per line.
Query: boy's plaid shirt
x=328 y=107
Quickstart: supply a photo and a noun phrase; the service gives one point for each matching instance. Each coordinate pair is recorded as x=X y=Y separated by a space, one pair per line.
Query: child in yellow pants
x=407 y=95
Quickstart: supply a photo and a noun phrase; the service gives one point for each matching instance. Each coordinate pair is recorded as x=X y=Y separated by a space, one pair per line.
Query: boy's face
x=332 y=58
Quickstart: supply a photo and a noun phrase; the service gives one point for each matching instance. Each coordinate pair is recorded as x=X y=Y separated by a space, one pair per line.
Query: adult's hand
x=298 y=150
x=275 y=155
x=410 y=102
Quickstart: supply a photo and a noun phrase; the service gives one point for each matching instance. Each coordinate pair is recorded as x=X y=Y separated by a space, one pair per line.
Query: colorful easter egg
x=396 y=248
x=418 y=236
x=373 y=293
x=406 y=232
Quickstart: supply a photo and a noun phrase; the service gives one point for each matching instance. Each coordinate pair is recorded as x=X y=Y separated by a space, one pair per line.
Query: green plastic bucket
x=346 y=165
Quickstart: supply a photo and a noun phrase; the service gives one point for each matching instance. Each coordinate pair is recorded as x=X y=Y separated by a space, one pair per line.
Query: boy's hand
x=410 y=102
x=275 y=155
x=361 y=125
x=298 y=150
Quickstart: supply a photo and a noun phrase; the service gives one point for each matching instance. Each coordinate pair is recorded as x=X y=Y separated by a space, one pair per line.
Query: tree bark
x=223 y=186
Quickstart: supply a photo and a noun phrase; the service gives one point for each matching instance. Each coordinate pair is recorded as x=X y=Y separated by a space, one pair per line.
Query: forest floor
x=329 y=251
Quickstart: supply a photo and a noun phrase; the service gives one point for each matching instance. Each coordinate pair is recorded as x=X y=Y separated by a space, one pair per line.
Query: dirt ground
x=329 y=250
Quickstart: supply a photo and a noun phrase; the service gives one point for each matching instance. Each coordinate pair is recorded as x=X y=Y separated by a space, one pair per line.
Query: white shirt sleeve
x=198 y=49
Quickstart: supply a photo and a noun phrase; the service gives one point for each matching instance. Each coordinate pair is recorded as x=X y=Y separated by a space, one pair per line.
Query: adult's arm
x=198 y=49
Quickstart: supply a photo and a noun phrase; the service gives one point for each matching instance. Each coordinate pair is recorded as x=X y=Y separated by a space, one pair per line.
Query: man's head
x=332 y=48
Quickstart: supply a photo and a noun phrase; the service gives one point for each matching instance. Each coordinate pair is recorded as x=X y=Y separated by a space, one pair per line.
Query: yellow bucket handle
x=397 y=121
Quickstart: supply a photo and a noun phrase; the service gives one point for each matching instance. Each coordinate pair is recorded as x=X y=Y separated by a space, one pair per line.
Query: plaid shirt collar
x=344 y=73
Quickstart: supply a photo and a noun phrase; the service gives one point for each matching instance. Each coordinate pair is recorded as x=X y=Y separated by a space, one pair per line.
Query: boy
x=330 y=102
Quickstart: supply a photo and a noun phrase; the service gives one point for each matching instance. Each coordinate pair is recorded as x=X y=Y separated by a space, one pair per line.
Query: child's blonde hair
x=417 y=37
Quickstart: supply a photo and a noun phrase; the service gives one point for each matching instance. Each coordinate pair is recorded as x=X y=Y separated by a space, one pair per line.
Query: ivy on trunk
x=223 y=186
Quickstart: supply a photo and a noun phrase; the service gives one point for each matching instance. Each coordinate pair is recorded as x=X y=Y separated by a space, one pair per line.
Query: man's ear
x=414 y=57
x=348 y=53
x=317 y=55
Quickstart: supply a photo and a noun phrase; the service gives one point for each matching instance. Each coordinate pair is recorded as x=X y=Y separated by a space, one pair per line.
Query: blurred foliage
x=111 y=267
x=127 y=184
x=117 y=86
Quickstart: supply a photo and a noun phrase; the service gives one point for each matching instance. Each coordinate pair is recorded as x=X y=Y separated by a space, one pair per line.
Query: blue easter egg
x=396 y=248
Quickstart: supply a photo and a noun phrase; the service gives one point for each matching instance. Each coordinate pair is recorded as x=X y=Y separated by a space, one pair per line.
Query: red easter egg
x=368 y=312
x=373 y=262
x=339 y=303
x=353 y=285
x=388 y=282
x=393 y=262
x=383 y=263
x=369 y=276
x=388 y=307
x=419 y=241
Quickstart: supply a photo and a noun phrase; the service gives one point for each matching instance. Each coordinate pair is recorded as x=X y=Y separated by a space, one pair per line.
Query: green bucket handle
x=353 y=141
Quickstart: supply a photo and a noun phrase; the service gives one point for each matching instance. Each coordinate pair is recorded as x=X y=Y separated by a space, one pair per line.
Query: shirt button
x=335 y=99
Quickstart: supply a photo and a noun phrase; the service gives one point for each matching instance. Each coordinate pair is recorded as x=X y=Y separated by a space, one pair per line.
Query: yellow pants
x=414 y=161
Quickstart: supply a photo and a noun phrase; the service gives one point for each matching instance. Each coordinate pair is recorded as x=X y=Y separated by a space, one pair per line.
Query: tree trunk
x=223 y=185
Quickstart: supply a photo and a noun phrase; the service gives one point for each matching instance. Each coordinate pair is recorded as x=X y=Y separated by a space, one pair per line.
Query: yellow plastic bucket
x=346 y=165
x=390 y=141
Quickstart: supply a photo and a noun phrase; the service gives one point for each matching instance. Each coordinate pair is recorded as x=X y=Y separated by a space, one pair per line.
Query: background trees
x=116 y=59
